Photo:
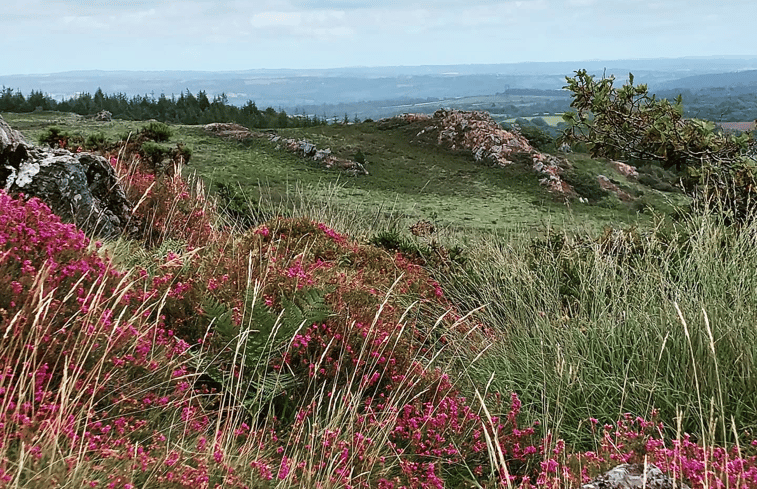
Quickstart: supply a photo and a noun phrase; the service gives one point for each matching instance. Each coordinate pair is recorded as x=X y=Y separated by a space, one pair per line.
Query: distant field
x=552 y=120
x=738 y=126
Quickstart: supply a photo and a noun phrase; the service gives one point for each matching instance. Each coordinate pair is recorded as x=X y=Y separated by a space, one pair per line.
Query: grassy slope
x=406 y=179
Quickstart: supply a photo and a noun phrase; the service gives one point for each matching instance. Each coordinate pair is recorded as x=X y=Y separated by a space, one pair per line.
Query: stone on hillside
x=479 y=133
x=322 y=154
x=104 y=116
x=625 y=169
x=229 y=131
x=607 y=185
x=633 y=476
x=307 y=148
x=81 y=188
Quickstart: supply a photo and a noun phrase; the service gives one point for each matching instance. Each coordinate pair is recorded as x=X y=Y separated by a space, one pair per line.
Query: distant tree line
x=185 y=109
x=729 y=104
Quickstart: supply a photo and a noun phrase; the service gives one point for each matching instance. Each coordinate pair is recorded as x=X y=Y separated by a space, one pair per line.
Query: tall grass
x=631 y=322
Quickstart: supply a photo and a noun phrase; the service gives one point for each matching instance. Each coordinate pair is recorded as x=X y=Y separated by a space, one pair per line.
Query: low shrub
x=154 y=152
x=157 y=131
x=55 y=137
x=96 y=141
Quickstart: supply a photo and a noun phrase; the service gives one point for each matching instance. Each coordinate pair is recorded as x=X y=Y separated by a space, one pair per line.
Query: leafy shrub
x=182 y=153
x=55 y=137
x=585 y=185
x=238 y=208
x=392 y=240
x=96 y=141
x=627 y=122
x=157 y=131
x=154 y=152
x=537 y=137
x=657 y=177
x=431 y=254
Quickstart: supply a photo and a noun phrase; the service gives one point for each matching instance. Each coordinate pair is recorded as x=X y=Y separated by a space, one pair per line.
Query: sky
x=49 y=36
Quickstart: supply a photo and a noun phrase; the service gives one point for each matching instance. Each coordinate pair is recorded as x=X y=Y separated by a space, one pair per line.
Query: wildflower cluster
x=165 y=205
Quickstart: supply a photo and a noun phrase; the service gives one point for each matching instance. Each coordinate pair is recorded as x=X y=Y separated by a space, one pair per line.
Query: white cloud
x=203 y=33
x=315 y=24
x=276 y=19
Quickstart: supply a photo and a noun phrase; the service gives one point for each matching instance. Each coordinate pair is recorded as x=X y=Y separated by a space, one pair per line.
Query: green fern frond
x=261 y=332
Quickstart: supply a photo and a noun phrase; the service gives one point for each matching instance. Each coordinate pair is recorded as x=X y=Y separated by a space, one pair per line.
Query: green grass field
x=408 y=181
x=552 y=120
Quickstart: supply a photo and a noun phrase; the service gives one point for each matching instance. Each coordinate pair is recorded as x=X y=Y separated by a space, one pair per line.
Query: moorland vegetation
x=314 y=344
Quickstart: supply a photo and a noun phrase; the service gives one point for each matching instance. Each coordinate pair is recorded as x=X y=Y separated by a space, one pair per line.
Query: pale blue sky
x=47 y=36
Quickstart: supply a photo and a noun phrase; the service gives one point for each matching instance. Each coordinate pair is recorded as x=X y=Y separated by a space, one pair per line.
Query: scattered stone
x=104 y=116
x=307 y=148
x=633 y=476
x=625 y=169
x=229 y=131
x=322 y=154
x=301 y=147
x=80 y=188
x=607 y=185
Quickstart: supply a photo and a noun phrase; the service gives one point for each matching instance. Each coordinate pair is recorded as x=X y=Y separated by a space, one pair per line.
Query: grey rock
x=308 y=148
x=322 y=154
x=104 y=116
x=633 y=476
x=81 y=188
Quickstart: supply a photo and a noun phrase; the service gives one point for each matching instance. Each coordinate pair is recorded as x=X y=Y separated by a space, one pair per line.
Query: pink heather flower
x=263 y=231
x=243 y=428
x=284 y=470
x=331 y=233
x=263 y=469
x=172 y=458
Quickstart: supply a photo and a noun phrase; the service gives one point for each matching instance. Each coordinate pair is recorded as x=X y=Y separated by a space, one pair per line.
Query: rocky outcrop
x=103 y=116
x=625 y=169
x=634 y=476
x=607 y=185
x=81 y=188
x=489 y=143
x=229 y=131
x=300 y=147
x=308 y=149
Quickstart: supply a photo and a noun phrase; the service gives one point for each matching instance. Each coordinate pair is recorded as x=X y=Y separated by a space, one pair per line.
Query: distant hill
x=289 y=89
x=746 y=78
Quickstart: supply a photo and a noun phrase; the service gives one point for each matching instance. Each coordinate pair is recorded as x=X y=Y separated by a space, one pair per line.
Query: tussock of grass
x=591 y=328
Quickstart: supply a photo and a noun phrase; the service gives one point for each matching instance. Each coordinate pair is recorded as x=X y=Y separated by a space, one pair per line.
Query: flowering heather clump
x=39 y=256
x=68 y=344
x=165 y=205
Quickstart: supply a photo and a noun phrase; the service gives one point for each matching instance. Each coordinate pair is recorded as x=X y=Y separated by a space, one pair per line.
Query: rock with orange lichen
x=479 y=134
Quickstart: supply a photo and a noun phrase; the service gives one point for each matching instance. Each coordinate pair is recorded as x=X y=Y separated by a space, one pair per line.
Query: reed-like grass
x=635 y=321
